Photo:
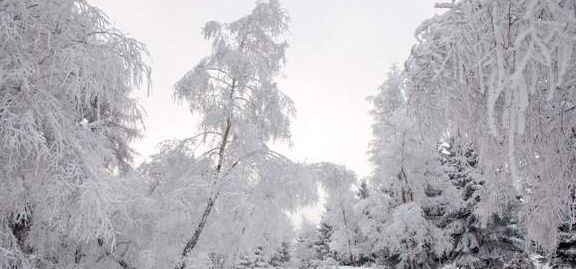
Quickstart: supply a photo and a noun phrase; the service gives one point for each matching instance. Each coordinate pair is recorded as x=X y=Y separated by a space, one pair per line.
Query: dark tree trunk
x=193 y=241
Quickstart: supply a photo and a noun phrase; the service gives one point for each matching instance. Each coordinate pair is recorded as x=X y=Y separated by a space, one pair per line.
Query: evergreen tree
x=313 y=246
x=281 y=257
x=257 y=259
x=460 y=162
x=493 y=243
x=362 y=214
x=502 y=239
x=411 y=192
x=216 y=260
x=305 y=255
x=566 y=251
x=363 y=191
x=322 y=243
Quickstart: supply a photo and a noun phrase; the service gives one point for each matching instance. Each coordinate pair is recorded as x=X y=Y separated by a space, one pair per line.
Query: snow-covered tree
x=66 y=118
x=502 y=239
x=363 y=191
x=386 y=104
x=241 y=109
x=304 y=253
x=410 y=193
x=362 y=216
x=491 y=244
x=276 y=257
x=321 y=245
x=257 y=259
x=248 y=214
x=281 y=257
x=313 y=247
x=460 y=163
x=340 y=215
x=413 y=242
x=500 y=72
x=173 y=187
x=566 y=250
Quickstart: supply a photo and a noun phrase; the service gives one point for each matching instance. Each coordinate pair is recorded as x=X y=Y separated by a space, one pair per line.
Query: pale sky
x=340 y=52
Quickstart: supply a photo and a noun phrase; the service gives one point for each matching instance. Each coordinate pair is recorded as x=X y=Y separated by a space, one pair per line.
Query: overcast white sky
x=340 y=51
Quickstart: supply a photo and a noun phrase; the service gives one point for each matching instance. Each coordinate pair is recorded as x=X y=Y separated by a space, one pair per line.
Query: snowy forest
x=473 y=148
